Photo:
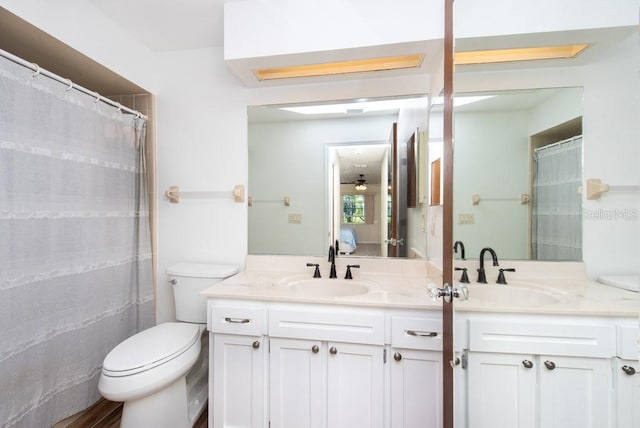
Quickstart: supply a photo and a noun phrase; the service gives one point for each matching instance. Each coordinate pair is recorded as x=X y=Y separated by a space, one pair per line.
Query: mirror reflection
x=518 y=170
x=316 y=155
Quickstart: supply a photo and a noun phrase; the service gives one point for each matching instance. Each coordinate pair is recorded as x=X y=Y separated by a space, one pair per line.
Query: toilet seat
x=150 y=348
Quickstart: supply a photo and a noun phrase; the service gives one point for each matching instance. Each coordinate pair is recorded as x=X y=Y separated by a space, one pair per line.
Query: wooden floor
x=106 y=414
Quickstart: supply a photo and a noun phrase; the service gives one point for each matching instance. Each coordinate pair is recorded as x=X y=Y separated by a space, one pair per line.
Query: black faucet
x=455 y=249
x=482 y=278
x=332 y=259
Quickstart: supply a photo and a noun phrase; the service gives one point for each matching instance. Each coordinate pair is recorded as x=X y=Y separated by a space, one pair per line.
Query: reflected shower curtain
x=557 y=205
x=75 y=254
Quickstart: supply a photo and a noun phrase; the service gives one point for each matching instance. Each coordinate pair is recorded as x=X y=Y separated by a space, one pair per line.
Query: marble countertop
x=406 y=284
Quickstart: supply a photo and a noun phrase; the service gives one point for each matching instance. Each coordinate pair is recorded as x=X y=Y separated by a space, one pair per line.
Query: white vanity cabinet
x=415 y=372
x=307 y=377
x=238 y=359
x=562 y=379
x=301 y=365
x=326 y=367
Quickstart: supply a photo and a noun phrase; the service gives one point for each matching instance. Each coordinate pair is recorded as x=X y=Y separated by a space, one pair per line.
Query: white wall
x=201 y=146
x=611 y=236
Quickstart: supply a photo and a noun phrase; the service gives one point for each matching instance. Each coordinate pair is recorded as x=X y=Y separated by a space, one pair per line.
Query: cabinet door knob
x=397 y=356
x=527 y=364
x=255 y=344
x=629 y=370
x=333 y=350
x=315 y=349
x=550 y=365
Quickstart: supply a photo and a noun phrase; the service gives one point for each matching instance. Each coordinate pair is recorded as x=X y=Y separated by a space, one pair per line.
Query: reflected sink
x=512 y=295
x=326 y=287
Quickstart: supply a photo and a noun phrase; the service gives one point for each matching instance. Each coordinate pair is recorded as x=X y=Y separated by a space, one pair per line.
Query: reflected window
x=353 y=209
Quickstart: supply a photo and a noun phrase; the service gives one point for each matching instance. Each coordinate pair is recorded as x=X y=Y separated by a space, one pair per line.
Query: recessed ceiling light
x=342 y=67
x=361 y=107
x=520 y=54
x=461 y=100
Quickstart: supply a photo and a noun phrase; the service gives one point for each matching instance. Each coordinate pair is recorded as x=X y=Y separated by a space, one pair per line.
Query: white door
x=416 y=388
x=238 y=378
x=502 y=391
x=296 y=383
x=575 y=392
x=355 y=386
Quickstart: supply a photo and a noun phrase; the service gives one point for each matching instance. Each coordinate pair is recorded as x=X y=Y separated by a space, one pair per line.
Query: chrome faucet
x=455 y=248
x=482 y=278
x=332 y=259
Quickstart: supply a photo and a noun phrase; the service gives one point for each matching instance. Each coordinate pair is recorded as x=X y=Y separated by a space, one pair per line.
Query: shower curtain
x=557 y=205
x=75 y=253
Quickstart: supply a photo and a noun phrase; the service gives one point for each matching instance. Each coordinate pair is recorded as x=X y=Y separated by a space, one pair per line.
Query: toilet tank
x=188 y=280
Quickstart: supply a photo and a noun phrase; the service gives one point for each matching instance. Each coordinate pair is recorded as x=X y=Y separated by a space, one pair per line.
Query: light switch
x=295 y=218
x=466 y=218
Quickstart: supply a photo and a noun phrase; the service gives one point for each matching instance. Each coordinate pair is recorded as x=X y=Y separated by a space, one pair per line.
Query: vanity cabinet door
x=296 y=383
x=355 y=381
x=575 y=392
x=416 y=388
x=502 y=391
x=238 y=377
x=627 y=393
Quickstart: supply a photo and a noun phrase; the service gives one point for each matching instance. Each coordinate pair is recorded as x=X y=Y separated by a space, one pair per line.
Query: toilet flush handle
x=173 y=281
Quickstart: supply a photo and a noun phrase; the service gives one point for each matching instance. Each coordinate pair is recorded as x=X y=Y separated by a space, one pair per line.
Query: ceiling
x=169 y=24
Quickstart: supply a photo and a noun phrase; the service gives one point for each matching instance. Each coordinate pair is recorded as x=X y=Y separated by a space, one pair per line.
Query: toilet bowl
x=161 y=373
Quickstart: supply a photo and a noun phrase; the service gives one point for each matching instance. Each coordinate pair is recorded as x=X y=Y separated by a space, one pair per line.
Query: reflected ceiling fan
x=361 y=183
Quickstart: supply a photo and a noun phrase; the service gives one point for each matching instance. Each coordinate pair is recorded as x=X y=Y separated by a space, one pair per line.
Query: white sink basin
x=512 y=295
x=326 y=287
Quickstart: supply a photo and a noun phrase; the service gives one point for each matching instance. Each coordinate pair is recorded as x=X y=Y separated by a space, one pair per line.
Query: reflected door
x=397 y=185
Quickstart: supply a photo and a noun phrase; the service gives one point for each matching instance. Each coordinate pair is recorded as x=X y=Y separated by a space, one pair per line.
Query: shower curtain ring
x=98 y=97
x=37 y=70
x=119 y=107
x=70 y=83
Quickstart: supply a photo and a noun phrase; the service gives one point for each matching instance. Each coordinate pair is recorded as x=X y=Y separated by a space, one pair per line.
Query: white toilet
x=161 y=373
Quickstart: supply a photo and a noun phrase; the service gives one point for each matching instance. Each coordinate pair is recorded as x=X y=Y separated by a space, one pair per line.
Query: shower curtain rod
x=41 y=71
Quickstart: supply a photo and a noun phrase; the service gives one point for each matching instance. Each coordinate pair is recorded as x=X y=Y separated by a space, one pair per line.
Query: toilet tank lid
x=202 y=270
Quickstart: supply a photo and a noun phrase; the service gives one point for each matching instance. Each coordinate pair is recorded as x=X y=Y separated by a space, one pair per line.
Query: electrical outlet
x=295 y=218
x=466 y=218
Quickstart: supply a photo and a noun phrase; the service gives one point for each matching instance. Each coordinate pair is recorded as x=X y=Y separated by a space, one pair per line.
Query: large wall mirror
x=518 y=169
x=523 y=127
x=347 y=171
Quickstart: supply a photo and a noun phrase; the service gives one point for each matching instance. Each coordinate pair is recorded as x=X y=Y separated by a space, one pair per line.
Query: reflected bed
x=348 y=240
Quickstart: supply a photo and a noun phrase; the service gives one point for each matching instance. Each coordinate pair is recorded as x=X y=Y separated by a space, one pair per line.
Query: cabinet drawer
x=237 y=320
x=335 y=325
x=628 y=342
x=551 y=338
x=416 y=333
